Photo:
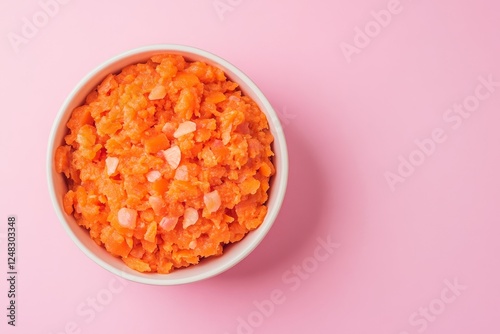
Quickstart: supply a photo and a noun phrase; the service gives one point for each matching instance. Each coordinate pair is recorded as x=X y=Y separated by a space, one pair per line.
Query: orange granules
x=166 y=162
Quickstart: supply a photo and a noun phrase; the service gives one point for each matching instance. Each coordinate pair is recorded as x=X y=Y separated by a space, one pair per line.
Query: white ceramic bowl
x=233 y=253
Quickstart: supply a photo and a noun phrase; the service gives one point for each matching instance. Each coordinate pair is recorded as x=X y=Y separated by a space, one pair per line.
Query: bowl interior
x=208 y=267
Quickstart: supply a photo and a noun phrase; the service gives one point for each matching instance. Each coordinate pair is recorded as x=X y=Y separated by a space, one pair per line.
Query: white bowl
x=233 y=253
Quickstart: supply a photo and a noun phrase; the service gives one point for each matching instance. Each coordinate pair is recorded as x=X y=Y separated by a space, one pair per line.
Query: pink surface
x=412 y=249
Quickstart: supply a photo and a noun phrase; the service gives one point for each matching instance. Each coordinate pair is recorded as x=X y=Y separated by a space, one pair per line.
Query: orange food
x=167 y=162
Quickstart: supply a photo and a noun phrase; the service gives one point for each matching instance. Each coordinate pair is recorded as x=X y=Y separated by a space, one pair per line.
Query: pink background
x=346 y=124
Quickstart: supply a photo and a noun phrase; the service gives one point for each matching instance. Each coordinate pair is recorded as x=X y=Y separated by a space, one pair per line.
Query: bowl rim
x=274 y=124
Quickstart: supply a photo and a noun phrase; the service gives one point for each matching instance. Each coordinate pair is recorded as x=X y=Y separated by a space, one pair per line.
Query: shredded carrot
x=167 y=162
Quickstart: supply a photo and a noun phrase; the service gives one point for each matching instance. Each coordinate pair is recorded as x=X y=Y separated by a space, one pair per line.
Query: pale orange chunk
x=212 y=201
x=181 y=173
x=190 y=217
x=150 y=234
x=169 y=128
x=156 y=144
x=127 y=217
x=185 y=128
x=249 y=186
x=168 y=223
x=157 y=204
x=215 y=97
x=153 y=175
x=173 y=156
x=111 y=165
x=158 y=93
x=137 y=264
